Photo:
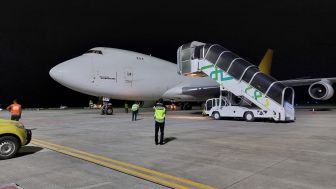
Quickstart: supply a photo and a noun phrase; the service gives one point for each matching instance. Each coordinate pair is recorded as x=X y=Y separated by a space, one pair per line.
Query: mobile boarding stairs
x=269 y=98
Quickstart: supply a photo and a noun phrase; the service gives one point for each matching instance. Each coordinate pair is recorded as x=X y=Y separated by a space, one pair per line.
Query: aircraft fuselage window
x=94 y=51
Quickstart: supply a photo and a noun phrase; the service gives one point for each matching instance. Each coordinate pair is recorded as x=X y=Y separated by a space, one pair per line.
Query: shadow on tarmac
x=168 y=139
x=28 y=150
x=197 y=113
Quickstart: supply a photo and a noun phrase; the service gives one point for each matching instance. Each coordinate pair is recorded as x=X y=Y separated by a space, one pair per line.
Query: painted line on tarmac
x=188 y=117
x=131 y=169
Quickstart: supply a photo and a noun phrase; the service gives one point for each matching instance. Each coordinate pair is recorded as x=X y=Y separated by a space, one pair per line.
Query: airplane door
x=94 y=74
x=95 y=78
x=104 y=79
x=101 y=75
x=128 y=76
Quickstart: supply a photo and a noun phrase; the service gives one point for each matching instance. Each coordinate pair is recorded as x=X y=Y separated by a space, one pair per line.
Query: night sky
x=37 y=35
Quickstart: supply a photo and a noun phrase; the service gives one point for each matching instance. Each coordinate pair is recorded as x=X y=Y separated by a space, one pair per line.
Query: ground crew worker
x=203 y=109
x=126 y=107
x=160 y=118
x=15 y=110
x=135 y=110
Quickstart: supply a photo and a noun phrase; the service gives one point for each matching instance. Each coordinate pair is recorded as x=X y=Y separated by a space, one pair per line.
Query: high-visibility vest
x=135 y=107
x=159 y=114
x=15 y=109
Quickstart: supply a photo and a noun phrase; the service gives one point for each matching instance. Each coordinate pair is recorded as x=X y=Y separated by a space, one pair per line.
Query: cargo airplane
x=126 y=75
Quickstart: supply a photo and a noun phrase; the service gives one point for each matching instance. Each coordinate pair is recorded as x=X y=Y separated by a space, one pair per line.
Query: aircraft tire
x=109 y=111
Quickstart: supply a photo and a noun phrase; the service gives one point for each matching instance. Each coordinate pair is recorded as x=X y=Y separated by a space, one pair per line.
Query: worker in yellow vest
x=160 y=118
x=135 y=110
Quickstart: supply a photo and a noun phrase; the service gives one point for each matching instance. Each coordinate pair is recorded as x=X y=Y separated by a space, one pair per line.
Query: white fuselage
x=126 y=75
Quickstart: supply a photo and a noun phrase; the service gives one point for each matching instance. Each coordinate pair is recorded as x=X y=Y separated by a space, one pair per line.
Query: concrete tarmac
x=219 y=154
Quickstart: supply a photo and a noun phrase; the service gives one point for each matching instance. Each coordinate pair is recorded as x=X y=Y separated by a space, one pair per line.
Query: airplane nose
x=73 y=73
x=56 y=73
x=63 y=73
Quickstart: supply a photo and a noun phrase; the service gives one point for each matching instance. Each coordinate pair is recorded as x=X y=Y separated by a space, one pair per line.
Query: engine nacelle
x=321 y=90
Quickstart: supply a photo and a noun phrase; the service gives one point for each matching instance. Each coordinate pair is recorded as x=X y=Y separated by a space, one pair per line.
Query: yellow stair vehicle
x=13 y=135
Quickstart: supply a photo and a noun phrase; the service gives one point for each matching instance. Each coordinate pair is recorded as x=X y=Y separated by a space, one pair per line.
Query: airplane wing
x=266 y=64
x=303 y=82
x=201 y=91
x=213 y=90
x=191 y=93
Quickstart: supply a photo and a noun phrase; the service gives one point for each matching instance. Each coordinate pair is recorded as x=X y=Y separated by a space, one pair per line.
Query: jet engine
x=321 y=90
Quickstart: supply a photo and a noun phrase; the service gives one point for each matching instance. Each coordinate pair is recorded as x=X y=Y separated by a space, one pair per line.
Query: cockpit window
x=94 y=51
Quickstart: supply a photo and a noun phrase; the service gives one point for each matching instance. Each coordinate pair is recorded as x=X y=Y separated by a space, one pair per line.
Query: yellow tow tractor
x=13 y=135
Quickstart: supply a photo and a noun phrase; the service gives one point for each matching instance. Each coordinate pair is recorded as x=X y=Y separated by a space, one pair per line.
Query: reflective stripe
x=160 y=114
x=135 y=107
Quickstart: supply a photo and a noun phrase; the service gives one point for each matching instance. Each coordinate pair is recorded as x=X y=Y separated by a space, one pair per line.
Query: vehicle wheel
x=216 y=115
x=9 y=146
x=109 y=111
x=248 y=116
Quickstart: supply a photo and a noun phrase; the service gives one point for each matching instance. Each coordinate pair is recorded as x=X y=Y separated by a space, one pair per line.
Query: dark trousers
x=134 y=115
x=159 y=126
x=15 y=117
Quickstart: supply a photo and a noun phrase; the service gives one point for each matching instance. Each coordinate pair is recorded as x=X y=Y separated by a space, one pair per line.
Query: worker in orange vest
x=15 y=110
